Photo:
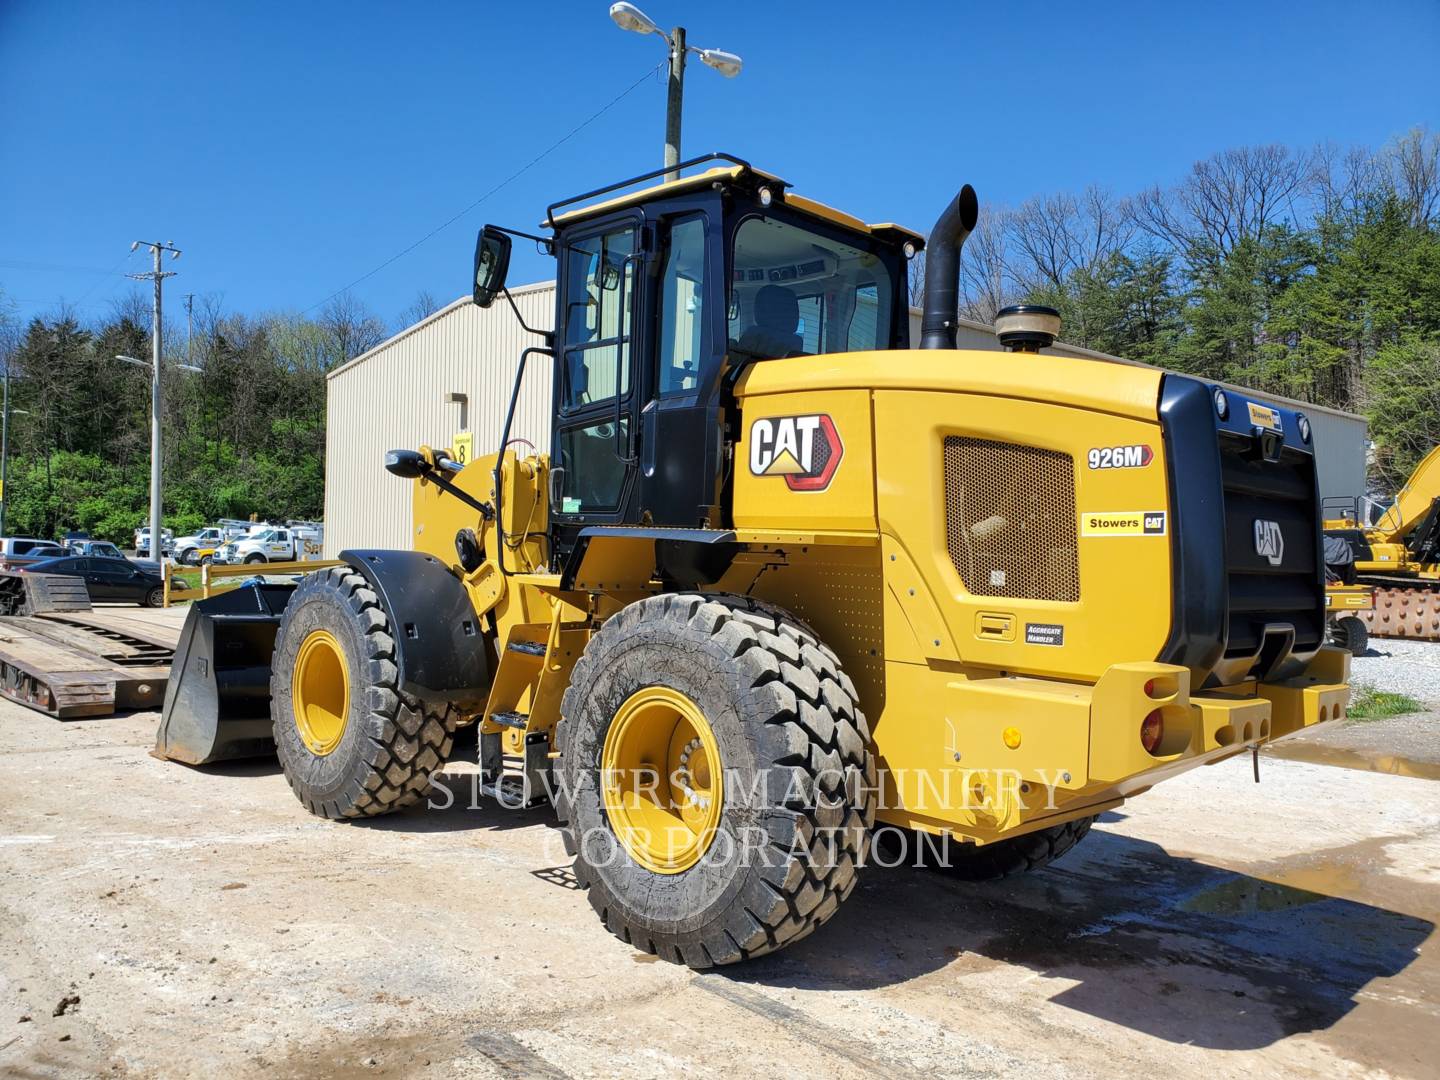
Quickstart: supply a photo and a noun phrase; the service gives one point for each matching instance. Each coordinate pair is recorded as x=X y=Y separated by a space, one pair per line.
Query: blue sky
x=290 y=148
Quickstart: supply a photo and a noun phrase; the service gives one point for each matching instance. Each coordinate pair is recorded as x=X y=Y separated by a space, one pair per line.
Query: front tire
x=759 y=701
x=351 y=743
x=155 y=597
x=252 y=559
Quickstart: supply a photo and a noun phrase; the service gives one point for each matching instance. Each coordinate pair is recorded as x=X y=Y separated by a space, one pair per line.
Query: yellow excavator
x=1396 y=551
x=781 y=583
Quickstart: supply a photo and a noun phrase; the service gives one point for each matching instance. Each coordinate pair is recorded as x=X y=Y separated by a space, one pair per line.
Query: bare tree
x=1340 y=179
x=1416 y=160
x=1227 y=198
x=915 y=287
x=984 y=287
x=1054 y=236
x=422 y=307
x=352 y=328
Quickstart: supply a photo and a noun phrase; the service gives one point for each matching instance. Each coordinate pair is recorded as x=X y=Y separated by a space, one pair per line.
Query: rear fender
x=440 y=650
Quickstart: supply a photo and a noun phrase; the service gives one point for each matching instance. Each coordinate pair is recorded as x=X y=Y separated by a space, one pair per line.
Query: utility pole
x=674 y=101
x=190 y=328
x=628 y=17
x=5 y=450
x=158 y=276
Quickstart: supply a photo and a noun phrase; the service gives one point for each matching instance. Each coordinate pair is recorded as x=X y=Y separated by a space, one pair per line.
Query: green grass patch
x=1371 y=704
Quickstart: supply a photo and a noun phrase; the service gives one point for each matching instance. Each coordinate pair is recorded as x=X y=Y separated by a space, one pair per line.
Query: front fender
x=440 y=651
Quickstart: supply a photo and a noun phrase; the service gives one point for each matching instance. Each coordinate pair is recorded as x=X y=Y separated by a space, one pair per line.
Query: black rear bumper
x=1238 y=492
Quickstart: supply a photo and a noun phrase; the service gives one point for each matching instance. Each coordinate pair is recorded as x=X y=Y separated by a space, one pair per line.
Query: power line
x=62 y=268
x=500 y=186
x=112 y=272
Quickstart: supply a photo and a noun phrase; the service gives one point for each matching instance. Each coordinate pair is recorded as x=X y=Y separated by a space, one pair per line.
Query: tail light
x=1152 y=730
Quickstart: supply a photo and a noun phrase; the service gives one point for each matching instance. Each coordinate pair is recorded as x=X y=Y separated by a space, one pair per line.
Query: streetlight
x=157 y=536
x=629 y=17
x=146 y=364
x=157 y=276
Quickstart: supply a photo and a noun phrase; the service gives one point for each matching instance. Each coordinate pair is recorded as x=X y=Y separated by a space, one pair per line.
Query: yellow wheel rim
x=662 y=780
x=320 y=692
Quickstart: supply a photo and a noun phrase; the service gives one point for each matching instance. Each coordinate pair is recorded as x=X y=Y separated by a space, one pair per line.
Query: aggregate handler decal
x=1120 y=457
x=1122 y=523
x=1037 y=633
x=805 y=450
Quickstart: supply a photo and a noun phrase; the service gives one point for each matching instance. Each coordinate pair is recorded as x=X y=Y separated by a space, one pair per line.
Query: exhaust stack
x=942 y=270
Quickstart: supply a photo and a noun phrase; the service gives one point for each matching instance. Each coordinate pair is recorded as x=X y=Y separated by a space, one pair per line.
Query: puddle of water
x=1249 y=896
x=1320 y=754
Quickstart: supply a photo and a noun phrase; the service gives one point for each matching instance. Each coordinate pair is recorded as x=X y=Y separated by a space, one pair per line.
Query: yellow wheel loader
x=1395 y=550
x=781 y=583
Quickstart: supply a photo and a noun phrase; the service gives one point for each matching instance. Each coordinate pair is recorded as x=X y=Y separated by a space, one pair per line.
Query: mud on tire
x=392 y=744
x=800 y=778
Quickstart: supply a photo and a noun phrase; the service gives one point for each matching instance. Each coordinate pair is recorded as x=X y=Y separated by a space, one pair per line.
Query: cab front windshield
x=795 y=292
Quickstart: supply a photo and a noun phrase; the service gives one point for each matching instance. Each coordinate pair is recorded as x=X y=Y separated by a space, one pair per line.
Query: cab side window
x=599 y=305
x=682 y=296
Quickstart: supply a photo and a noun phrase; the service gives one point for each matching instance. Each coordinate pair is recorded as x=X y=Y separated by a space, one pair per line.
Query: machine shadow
x=1160 y=944
x=454 y=803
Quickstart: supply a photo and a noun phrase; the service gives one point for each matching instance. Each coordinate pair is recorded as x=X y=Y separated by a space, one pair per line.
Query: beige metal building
x=453 y=372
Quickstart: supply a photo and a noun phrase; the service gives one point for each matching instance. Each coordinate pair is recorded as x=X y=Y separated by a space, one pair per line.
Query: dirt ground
x=206 y=924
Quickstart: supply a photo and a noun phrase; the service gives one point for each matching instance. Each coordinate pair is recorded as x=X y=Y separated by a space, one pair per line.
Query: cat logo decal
x=805 y=450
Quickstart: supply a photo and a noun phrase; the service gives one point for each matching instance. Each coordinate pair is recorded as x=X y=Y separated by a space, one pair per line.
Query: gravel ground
x=210 y=927
x=1401 y=667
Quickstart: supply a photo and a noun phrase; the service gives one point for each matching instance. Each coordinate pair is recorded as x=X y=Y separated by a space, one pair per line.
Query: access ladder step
x=529 y=648
x=510 y=719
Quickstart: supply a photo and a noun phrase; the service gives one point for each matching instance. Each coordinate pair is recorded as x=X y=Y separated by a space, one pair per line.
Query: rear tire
x=1348 y=632
x=799 y=779
x=389 y=743
x=993 y=861
x=155 y=597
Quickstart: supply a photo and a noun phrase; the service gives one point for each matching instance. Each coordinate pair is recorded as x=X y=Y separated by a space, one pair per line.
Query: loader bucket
x=217 y=703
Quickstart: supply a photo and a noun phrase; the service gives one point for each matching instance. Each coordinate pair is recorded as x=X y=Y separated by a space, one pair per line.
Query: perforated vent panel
x=1010 y=519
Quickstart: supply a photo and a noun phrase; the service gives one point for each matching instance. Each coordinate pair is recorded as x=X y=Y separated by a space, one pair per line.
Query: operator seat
x=772 y=335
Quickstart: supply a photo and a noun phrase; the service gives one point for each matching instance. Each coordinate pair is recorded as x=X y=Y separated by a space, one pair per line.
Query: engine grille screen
x=1010 y=519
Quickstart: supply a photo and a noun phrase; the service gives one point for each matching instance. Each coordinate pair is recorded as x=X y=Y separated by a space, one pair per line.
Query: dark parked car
x=114 y=580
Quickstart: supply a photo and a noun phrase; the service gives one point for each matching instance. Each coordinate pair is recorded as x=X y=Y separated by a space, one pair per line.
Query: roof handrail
x=716 y=156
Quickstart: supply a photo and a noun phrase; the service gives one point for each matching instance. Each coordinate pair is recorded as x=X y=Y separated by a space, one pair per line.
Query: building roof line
x=434 y=316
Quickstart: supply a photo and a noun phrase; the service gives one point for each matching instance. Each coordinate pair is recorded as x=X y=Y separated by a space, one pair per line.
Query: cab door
x=600 y=300
x=680 y=437
x=279 y=548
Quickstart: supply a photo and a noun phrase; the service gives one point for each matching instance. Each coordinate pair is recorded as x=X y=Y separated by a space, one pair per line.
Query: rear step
x=511 y=719
x=529 y=648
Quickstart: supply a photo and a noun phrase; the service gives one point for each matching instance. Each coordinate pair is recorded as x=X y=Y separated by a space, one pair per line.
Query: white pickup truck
x=267 y=545
x=188 y=548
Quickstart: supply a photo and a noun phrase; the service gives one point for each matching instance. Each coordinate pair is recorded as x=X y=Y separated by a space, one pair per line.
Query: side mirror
x=492 y=263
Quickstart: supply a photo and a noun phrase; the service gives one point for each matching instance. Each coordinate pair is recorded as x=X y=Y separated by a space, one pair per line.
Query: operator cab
x=663 y=296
